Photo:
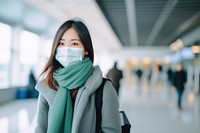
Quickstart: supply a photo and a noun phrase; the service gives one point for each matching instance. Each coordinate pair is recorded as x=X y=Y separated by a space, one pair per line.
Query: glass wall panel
x=5 y=54
x=29 y=53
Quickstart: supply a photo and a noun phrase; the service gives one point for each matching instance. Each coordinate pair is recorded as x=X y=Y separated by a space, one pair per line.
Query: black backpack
x=125 y=125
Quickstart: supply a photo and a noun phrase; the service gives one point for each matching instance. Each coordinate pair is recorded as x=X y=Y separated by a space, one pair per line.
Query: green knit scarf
x=69 y=78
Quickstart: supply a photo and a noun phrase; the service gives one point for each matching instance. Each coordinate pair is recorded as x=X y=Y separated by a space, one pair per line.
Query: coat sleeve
x=110 y=110
x=42 y=115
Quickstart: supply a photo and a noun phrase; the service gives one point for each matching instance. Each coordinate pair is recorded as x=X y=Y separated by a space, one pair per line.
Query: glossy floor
x=149 y=109
x=153 y=108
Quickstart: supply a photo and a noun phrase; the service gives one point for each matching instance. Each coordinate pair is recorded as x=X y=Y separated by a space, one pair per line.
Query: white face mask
x=67 y=55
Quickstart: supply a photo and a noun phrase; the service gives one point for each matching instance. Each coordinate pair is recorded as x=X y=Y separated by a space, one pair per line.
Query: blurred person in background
x=66 y=101
x=139 y=73
x=32 y=93
x=199 y=83
x=115 y=75
x=179 y=80
x=170 y=75
x=155 y=76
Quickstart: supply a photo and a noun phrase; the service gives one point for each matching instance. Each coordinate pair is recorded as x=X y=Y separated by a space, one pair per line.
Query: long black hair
x=85 y=38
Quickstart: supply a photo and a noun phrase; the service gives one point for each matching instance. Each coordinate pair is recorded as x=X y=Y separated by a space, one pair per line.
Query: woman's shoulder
x=42 y=87
x=109 y=90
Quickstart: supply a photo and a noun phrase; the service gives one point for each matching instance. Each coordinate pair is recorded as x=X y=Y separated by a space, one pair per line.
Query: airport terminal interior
x=151 y=41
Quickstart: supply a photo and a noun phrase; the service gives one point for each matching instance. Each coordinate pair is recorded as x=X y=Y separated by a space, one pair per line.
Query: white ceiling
x=103 y=36
x=48 y=15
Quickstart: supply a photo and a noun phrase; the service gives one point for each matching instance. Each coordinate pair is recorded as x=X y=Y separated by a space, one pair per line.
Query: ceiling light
x=196 y=49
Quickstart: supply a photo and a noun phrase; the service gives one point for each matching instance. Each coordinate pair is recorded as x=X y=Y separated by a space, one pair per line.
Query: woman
x=179 y=81
x=66 y=101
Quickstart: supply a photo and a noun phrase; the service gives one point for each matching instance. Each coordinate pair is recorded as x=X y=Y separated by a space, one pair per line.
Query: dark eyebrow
x=75 y=40
x=70 y=40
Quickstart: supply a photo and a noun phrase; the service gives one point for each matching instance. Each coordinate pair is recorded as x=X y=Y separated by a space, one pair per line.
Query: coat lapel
x=46 y=91
x=83 y=97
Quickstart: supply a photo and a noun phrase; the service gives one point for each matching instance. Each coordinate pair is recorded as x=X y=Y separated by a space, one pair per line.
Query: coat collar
x=92 y=83
x=48 y=93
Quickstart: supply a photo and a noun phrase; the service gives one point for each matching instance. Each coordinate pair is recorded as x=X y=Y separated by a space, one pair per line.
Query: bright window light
x=48 y=46
x=4 y=122
x=5 y=39
x=29 y=47
x=5 y=54
x=5 y=36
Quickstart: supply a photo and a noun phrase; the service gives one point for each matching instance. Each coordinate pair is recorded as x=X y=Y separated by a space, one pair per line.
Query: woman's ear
x=86 y=53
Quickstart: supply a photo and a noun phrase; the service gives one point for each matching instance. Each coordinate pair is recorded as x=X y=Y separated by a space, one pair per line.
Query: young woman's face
x=71 y=39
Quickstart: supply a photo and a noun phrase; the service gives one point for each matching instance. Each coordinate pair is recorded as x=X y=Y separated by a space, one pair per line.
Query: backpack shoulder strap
x=98 y=105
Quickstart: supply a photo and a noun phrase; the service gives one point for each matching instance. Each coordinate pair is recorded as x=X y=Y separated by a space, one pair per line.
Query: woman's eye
x=61 y=44
x=74 y=44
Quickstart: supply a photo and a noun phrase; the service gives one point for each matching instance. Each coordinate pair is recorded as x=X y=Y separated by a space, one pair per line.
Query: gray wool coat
x=84 y=117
